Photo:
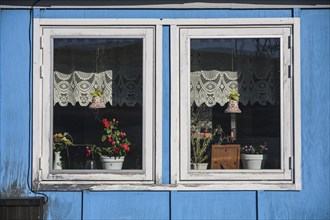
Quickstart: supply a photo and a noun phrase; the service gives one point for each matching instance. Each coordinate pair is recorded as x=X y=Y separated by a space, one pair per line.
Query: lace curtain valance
x=212 y=87
x=118 y=89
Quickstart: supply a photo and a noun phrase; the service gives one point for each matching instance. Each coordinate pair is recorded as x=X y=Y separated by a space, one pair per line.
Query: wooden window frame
x=44 y=177
x=286 y=178
x=176 y=183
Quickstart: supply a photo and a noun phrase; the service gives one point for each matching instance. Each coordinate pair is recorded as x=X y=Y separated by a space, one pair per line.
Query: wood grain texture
x=313 y=202
x=213 y=205
x=120 y=13
x=63 y=205
x=166 y=106
x=310 y=203
x=126 y=205
x=14 y=91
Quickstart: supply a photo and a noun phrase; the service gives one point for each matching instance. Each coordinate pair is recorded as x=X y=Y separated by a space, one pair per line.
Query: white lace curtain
x=118 y=89
x=212 y=87
x=209 y=87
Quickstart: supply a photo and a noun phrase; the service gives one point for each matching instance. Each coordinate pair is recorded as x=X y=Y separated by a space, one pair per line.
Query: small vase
x=232 y=107
x=112 y=163
x=90 y=164
x=253 y=161
x=97 y=102
x=57 y=161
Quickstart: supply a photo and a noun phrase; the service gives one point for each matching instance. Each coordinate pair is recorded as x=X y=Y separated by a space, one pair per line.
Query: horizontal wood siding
x=213 y=205
x=63 y=205
x=311 y=203
x=126 y=205
x=210 y=13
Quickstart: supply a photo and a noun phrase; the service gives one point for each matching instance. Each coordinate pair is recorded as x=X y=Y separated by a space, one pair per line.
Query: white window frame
x=63 y=183
x=286 y=178
x=45 y=30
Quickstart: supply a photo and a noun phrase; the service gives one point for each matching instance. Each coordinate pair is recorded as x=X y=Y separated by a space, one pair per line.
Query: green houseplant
x=114 y=145
x=199 y=143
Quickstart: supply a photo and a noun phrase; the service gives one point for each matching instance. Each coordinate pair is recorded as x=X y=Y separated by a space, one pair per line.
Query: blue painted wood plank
x=126 y=205
x=63 y=205
x=121 y=13
x=14 y=90
x=213 y=205
x=166 y=107
x=313 y=202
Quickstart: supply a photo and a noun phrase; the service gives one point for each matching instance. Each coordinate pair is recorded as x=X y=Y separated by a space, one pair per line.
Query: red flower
x=126 y=147
x=122 y=134
x=113 y=143
x=88 y=151
x=110 y=139
x=115 y=150
x=106 y=123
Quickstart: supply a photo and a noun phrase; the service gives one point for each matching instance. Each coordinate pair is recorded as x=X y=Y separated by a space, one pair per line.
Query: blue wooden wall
x=312 y=202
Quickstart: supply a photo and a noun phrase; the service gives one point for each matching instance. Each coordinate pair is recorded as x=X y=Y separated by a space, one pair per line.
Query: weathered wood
x=225 y=156
x=312 y=202
x=21 y=208
x=170 y=4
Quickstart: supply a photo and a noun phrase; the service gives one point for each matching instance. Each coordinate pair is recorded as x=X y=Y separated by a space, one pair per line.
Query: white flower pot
x=57 y=161
x=112 y=163
x=253 y=161
x=199 y=166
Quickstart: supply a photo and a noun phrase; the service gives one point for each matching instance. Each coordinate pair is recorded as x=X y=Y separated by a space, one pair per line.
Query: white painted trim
x=159 y=104
x=297 y=104
x=42 y=105
x=175 y=99
x=175 y=122
x=37 y=105
x=182 y=175
x=165 y=21
x=124 y=186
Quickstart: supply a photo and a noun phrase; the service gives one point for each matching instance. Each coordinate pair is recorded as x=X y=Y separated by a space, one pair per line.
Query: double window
x=234 y=98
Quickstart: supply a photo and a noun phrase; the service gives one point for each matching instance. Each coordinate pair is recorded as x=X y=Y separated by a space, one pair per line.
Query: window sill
x=150 y=186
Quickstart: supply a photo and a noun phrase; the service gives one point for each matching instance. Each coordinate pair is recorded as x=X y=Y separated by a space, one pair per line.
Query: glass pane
x=98 y=101
x=235 y=103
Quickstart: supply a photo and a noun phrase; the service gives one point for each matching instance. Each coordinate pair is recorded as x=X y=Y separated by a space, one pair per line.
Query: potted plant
x=253 y=156
x=199 y=143
x=232 y=106
x=60 y=143
x=97 y=101
x=114 y=147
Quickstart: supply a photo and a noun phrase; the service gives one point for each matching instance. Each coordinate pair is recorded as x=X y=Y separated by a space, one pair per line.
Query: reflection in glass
x=251 y=67
x=82 y=66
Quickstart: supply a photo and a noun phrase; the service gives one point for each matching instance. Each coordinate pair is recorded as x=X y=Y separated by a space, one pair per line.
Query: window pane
x=97 y=79
x=222 y=133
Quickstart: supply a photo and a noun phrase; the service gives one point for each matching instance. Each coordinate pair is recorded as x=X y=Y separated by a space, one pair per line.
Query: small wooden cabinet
x=225 y=156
